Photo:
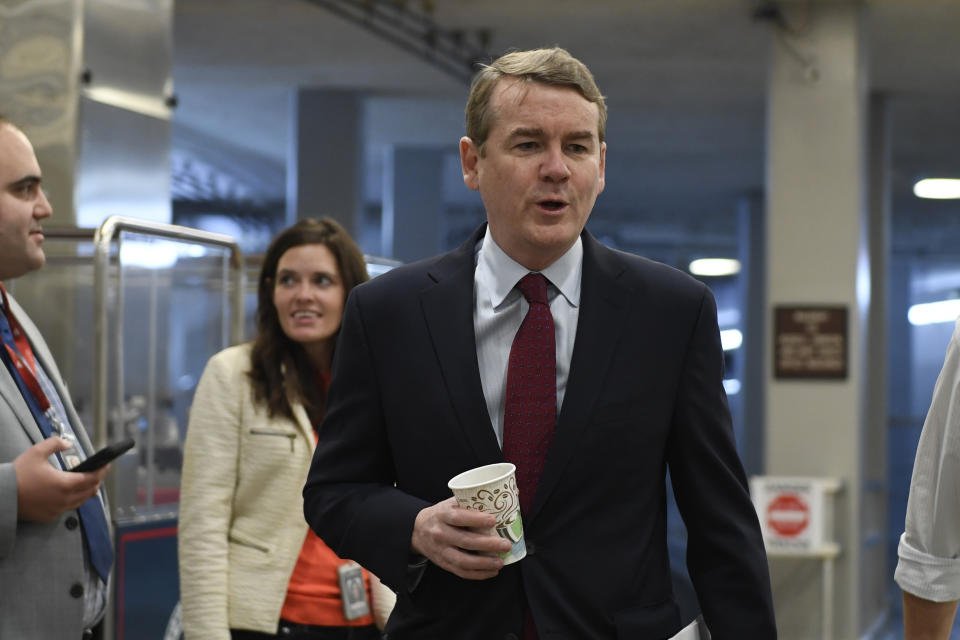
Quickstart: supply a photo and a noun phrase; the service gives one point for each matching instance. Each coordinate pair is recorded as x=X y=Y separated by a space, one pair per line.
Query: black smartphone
x=105 y=455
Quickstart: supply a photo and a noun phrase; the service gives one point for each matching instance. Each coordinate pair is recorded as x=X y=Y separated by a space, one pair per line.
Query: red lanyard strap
x=22 y=356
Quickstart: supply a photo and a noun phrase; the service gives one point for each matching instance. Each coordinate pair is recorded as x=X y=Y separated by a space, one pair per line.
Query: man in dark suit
x=52 y=584
x=439 y=368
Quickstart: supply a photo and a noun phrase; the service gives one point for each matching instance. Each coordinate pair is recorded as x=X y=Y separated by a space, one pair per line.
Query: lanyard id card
x=352 y=591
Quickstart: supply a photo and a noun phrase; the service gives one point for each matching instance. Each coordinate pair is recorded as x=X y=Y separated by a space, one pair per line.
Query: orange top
x=313 y=594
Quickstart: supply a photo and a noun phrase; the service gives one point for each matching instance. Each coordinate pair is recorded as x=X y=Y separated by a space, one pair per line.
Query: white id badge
x=352 y=591
x=70 y=457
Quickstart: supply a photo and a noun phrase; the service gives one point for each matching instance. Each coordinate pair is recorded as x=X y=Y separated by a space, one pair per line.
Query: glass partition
x=168 y=310
x=166 y=298
x=132 y=312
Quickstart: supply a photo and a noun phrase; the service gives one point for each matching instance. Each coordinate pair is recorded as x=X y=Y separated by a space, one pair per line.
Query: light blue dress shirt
x=499 y=309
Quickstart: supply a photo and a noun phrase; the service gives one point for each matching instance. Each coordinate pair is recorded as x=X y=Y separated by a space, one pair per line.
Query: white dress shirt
x=929 y=550
x=499 y=309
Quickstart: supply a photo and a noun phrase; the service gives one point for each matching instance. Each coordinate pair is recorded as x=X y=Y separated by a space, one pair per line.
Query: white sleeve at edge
x=929 y=550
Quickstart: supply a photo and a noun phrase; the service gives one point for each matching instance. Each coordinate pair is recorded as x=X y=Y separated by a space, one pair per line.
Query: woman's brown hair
x=280 y=370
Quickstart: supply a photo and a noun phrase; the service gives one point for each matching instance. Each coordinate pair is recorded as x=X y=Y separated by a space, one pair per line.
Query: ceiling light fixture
x=933 y=312
x=937 y=188
x=731 y=386
x=731 y=339
x=715 y=267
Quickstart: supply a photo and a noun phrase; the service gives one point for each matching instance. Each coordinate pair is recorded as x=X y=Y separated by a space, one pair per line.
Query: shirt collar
x=503 y=272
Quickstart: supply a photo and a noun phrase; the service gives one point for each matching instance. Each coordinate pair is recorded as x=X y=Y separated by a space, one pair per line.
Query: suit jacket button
x=511 y=636
x=76 y=590
x=71 y=523
x=531 y=549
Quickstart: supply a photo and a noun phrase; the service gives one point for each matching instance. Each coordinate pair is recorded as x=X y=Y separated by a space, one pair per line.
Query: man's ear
x=603 y=167
x=469 y=157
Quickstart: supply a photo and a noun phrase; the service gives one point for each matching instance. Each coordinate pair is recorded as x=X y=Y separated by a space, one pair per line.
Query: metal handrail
x=102 y=239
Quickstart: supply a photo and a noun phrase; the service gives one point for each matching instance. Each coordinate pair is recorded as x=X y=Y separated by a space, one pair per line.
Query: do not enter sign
x=791 y=512
x=788 y=514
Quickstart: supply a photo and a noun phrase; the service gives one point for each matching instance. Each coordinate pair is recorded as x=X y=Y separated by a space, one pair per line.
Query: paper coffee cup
x=493 y=489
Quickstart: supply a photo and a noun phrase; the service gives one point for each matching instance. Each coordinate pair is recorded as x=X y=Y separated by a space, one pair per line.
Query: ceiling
x=685 y=82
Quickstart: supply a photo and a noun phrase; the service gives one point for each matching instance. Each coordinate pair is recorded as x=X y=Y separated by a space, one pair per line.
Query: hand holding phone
x=105 y=455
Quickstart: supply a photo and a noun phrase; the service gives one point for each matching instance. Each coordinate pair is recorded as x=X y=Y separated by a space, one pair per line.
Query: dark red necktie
x=530 y=410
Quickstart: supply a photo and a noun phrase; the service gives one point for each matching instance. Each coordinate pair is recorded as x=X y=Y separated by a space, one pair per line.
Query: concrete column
x=821 y=244
x=874 y=570
x=102 y=142
x=325 y=161
x=412 y=202
x=40 y=60
x=904 y=420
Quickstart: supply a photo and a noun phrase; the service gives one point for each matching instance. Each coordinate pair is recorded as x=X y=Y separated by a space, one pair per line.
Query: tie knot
x=533 y=286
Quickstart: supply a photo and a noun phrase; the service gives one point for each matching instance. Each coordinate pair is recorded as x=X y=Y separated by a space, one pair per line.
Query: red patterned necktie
x=530 y=411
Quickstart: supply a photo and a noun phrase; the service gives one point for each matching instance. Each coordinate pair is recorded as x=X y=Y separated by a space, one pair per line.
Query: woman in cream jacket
x=249 y=565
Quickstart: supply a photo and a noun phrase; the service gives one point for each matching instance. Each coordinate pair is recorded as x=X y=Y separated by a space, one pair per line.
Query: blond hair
x=553 y=66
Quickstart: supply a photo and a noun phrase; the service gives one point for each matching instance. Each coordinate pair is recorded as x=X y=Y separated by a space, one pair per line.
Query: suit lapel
x=11 y=394
x=448 y=310
x=603 y=306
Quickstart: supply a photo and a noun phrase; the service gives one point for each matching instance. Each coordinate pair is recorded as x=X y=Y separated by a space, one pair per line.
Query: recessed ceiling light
x=715 y=267
x=731 y=339
x=731 y=386
x=934 y=312
x=937 y=188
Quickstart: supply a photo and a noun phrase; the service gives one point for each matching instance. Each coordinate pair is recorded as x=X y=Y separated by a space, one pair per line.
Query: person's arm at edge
x=925 y=619
x=927 y=568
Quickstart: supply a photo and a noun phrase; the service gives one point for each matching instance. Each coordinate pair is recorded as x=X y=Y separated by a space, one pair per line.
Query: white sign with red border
x=791 y=512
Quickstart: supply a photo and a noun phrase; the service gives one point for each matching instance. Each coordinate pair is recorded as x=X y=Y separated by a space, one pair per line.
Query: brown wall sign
x=810 y=342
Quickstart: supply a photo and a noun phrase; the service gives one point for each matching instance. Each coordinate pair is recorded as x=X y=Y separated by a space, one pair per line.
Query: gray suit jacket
x=41 y=564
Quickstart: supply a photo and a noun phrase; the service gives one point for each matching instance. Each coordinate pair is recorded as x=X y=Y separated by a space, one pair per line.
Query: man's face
x=542 y=169
x=22 y=205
